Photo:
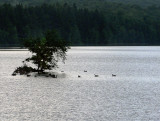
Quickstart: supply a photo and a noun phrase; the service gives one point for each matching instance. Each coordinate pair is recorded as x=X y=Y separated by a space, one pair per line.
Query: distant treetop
x=83 y=3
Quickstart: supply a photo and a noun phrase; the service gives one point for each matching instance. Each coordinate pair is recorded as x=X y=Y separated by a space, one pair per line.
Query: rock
x=47 y=75
x=28 y=75
x=54 y=76
x=14 y=74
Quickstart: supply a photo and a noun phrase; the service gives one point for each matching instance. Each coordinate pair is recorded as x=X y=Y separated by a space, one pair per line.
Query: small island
x=46 y=52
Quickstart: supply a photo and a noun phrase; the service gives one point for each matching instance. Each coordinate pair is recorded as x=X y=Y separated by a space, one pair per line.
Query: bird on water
x=113 y=75
x=96 y=75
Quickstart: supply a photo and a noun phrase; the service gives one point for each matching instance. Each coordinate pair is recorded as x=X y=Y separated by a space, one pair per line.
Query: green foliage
x=91 y=22
x=24 y=70
x=84 y=3
x=75 y=36
x=46 y=51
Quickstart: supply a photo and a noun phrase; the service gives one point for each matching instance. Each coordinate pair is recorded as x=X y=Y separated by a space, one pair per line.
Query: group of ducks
x=95 y=75
x=55 y=76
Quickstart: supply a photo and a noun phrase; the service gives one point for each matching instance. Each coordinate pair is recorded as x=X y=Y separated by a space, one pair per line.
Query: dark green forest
x=83 y=3
x=95 y=24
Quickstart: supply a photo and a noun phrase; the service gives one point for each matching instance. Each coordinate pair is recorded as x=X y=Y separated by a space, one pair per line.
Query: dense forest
x=83 y=3
x=110 y=24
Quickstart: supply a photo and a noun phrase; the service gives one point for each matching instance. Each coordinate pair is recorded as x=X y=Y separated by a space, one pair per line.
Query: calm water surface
x=133 y=94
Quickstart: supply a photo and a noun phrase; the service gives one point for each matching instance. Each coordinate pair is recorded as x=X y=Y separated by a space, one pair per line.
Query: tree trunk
x=38 y=69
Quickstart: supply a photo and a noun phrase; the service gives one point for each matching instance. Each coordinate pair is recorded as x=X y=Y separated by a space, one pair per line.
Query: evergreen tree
x=106 y=24
x=75 y=36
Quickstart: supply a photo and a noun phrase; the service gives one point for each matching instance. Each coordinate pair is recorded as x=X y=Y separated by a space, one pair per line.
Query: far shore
x=13 y=49
x=24 y=49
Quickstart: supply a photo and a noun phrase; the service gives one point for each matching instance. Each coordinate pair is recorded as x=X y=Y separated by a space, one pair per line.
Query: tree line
x=83 y=3
x=113 y=24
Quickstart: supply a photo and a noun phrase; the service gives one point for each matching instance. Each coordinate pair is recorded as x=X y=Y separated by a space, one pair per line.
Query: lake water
x=133 y=95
